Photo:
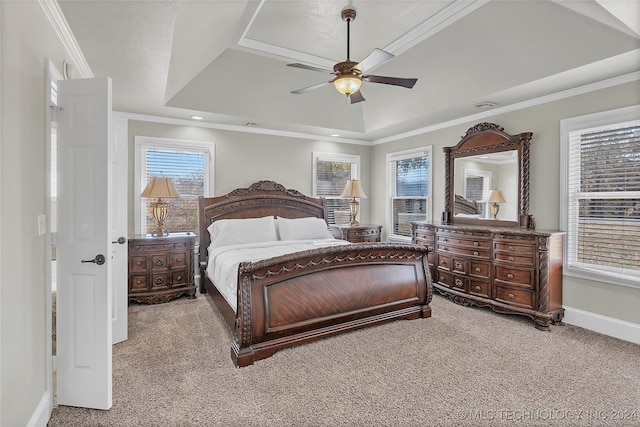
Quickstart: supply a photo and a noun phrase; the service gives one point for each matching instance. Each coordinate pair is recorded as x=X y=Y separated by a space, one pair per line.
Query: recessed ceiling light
x=335 y=134
x=197 y=117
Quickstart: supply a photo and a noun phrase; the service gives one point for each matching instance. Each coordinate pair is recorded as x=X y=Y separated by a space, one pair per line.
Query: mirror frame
x=486 y=138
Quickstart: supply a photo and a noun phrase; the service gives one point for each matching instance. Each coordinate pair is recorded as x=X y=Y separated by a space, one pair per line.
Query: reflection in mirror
x=476 y=176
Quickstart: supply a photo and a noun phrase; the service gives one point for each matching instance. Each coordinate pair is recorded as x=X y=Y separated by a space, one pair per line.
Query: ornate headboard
x=260 y=199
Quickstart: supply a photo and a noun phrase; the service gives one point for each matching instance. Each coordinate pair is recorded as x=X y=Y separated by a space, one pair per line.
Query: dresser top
x=496 y=230
x=166 y=237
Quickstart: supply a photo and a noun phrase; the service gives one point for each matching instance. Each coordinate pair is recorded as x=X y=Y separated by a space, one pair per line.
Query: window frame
x=390 y=195
x=146 y=142
x=354 y=159
x=622 y=117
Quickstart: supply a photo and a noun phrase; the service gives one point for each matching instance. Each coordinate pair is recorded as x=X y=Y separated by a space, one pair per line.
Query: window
x=408 y=191
x=477 y=184
x=189 y=164
x=331 y=172
x=601 y=192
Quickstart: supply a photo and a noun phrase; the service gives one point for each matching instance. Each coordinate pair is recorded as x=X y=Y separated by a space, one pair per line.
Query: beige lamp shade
x=495 y=196
x=160 y=187
x=353 y=189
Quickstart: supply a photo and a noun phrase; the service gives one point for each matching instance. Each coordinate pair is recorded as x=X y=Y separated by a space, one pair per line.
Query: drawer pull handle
x=512 y=296
x=511 y=258
x=509 y=276
x=459 y=283
x=511 y=248
x=478 y=270
x=159 y=280
x=478 y=288
x=458 y=265
x=475 y=253
x=179 y=260
x=138 y=282
x=179 y=278
x=159 y=262
x=476 y=244
x=139 y=263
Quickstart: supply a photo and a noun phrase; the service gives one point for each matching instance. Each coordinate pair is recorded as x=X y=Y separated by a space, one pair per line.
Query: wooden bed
x=297 y=298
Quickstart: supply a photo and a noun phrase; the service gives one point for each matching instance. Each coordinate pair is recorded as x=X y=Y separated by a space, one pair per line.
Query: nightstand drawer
x=179 y=277
x=138 y=263
x=138 y=283
x=178 y=259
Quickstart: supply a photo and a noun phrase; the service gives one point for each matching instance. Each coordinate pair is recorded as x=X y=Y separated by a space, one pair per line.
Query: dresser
x=511 y=270
x=161 y=268
x=357 y=233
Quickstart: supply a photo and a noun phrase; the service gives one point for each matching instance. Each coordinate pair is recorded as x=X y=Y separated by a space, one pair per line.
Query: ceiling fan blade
x=356 y=97
x=396 y=81
x=375 y=58
x=310 y=88
x=309 y=67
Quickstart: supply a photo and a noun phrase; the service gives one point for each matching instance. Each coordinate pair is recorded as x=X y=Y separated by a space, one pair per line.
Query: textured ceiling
x=226 y=60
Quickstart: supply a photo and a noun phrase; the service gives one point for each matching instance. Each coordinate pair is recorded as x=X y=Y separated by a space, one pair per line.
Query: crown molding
x=61 y=26
x=580 y=90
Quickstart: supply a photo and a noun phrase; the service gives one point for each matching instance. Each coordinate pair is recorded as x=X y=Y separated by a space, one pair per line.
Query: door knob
x=120 y=240
x=99 y=259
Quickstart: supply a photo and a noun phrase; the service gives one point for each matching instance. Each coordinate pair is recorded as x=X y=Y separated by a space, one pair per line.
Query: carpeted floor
x=463 y=366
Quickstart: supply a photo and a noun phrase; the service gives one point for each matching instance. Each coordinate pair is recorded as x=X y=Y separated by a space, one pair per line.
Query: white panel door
x=119 y=247
x=84 y=321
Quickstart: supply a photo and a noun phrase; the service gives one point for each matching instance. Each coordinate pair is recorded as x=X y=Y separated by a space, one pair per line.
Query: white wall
x=244 y=158
x=27 y=39
x=605 y=299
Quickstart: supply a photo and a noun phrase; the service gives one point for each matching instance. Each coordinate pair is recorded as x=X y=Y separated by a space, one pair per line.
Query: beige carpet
x=463 y=366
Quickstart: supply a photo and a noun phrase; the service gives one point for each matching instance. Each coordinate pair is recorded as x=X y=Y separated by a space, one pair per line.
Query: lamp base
x=495 y=208
x=354 y=207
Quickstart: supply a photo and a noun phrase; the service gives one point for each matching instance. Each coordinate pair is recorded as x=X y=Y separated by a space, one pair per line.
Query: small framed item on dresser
x=161 y=267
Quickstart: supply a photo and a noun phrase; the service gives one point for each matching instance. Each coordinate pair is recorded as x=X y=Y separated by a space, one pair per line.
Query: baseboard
x=603 y=324
x=41 y=415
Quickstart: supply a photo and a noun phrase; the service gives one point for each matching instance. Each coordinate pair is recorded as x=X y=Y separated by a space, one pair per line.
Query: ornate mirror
x=487 y=178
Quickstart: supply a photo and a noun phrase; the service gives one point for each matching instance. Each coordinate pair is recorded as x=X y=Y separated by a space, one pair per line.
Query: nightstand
x=161 y=267
x=358 y=233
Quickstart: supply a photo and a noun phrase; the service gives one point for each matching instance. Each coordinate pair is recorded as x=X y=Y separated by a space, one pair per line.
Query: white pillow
x=303 y=228
x=226 y=232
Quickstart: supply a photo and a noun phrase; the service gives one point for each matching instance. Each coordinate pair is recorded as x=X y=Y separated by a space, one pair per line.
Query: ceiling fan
x=349 y=74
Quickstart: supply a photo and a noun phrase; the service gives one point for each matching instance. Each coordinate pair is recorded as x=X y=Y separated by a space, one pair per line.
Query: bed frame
x=297 y=298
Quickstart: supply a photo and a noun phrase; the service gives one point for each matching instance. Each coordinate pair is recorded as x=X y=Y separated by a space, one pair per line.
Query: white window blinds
x=408 y=182
x=603 y=224
x=331 y=173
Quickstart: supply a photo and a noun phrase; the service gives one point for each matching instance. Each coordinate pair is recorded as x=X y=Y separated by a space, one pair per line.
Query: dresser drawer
x=514 y=248
x=471 y=252
x=467 y=242
x=479 y=288
x=516 y=259
x=444 y=278
x=479 y=269
x=514 y=296
x=514 y=276
x=444 y=262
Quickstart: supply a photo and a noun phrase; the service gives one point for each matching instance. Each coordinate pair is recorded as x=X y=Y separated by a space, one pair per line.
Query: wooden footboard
x=283 y=302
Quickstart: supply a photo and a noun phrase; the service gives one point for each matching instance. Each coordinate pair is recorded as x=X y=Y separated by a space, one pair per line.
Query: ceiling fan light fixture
x=347 y=84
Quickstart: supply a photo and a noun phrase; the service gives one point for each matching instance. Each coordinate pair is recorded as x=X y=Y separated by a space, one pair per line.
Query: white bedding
x=222 y=267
